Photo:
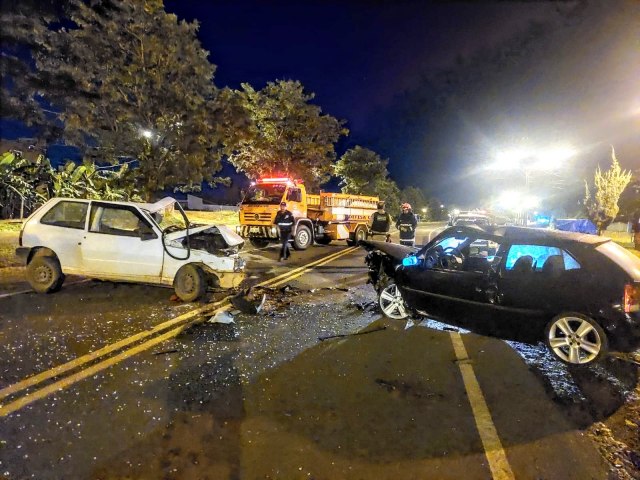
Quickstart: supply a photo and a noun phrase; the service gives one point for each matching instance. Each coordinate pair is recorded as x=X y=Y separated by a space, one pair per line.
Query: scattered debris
x=327 y=337
x=223 y=316
x=174 y=298
x=165 y=352
x=246 y=301
x=405 y=389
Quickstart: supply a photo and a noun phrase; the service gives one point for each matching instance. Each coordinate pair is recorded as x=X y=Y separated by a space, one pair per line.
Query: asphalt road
x=107 y=380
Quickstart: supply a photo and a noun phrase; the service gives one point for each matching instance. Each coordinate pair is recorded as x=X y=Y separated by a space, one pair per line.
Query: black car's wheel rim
x=574 y=340
x=391 y=302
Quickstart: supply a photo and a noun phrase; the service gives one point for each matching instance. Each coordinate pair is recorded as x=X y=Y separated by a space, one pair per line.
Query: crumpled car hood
x=392 y=249
x=231 y=237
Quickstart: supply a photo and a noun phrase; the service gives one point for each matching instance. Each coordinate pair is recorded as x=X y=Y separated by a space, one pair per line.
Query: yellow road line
x=54 y=372
x=496 y=456
x=317 y=264
x=36 y=379
x=87 y=372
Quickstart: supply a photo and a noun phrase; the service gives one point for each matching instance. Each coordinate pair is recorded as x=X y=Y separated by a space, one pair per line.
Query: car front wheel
x=190 y=283
x=391 y=302
x=44 y=274
x=576 y=339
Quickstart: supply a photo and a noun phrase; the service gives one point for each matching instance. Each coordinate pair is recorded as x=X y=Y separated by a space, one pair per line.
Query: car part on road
x=44 y=274
x=190 y=283
x=575 y=339
x=391 y=302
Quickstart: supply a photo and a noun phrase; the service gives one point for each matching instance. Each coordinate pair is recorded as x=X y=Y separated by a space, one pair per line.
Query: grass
x=10 y=225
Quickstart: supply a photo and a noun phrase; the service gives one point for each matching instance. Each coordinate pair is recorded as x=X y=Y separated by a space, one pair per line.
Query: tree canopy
x=129 y=81
x=364 y=172
x=286 y=134
x=602 y=207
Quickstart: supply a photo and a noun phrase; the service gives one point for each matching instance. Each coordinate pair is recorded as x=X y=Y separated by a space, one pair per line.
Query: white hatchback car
x=121 y=241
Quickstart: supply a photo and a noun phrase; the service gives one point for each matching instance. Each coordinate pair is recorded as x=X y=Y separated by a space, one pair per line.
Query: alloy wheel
x=575 y=340
x=391 y=302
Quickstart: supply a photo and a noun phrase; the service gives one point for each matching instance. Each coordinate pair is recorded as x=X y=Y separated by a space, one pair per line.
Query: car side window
x=539 y=258
x=67 y=214
x=117 y=221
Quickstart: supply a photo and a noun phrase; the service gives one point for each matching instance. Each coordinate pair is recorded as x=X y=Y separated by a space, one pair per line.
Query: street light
x=529 y=161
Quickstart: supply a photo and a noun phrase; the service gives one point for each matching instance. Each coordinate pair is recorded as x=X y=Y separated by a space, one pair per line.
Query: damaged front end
x=383 y=259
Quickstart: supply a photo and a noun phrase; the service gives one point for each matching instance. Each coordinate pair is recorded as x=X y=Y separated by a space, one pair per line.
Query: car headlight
x=410 y=261
x=239 y=264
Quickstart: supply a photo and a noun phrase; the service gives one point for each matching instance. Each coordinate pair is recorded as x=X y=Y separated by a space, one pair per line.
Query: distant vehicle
x=322 y=217
x=471 y=219
x=579 y=293
x=121 y=241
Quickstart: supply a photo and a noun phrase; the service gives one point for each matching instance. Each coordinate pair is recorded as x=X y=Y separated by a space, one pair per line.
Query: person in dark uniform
x=380 y=223
x=284 y=221
x=406 y=225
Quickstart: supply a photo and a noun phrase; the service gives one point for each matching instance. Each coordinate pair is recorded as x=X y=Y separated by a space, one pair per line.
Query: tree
x=415 y=197
x=286 y=134
x=23 y=184
x=602 y=208
x=364 y=172
x=134 y=82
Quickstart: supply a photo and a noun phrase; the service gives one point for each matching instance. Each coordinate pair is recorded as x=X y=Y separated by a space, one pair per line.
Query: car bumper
x=22 y=253
x=624 y=331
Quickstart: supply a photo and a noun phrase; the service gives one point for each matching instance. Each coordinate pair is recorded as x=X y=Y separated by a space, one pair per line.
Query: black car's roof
x=526 y=234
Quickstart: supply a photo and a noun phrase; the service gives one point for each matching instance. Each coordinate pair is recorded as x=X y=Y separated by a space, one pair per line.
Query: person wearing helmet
x=380 y=223
x=406 y=225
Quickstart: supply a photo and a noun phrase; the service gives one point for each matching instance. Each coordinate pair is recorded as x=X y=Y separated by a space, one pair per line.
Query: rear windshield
x=622 y=257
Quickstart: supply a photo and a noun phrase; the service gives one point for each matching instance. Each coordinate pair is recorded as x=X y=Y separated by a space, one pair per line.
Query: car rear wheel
x=391 y=302
x=576 y=339
x=44 y=274
x=190 y=283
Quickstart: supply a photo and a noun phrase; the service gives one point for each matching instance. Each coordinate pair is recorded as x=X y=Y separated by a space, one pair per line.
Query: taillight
x=631 y=298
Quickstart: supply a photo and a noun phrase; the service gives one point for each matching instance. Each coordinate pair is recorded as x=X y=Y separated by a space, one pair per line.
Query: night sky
x=520 y=73
x=367 y=63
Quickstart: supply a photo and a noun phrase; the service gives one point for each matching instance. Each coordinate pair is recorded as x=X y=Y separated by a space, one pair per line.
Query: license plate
x=254 y=230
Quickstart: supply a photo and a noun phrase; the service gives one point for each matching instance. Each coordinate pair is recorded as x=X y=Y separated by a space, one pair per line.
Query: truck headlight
x=274 y=231
x=238 y=229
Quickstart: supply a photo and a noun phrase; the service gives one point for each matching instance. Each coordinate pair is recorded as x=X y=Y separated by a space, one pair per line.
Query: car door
x=62 y=229
x=121 y=244
x=453 y=289
x=536 y=282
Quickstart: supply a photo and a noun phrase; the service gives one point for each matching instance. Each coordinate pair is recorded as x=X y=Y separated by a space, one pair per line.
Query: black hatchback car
x=579 y=293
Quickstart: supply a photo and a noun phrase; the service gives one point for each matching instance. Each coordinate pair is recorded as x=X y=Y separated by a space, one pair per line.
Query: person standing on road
x=284 y=221
x=406 y=224
x=380 y=223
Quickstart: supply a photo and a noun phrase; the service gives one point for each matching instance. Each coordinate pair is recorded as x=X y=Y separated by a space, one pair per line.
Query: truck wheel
x=359 y=234
x=44 y=274
x=190 y=283
x=323 y=240
x=303 y=238
x=259 y=242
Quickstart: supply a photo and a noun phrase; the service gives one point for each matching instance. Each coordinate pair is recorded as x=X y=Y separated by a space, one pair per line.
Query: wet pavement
x=316 y=385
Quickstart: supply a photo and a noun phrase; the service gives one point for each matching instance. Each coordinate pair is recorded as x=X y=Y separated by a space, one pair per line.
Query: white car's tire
x=190 y=283
x=44 y=274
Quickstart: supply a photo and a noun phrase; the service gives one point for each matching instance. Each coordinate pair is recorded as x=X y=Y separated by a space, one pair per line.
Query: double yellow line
x=177 y=325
